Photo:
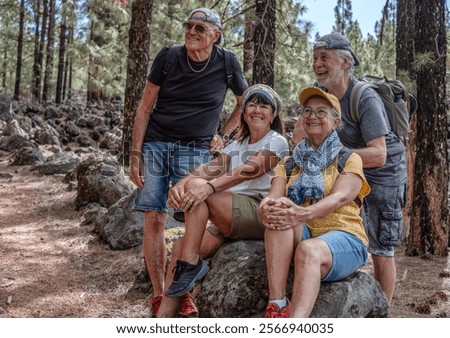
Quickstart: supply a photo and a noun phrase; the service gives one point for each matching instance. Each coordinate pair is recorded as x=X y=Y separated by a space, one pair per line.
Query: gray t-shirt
x=373 y=123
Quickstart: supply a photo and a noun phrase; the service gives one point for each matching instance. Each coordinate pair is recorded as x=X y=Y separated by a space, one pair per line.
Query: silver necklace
x=201 y=70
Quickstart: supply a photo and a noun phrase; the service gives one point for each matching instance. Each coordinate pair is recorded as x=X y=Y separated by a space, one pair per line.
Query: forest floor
x=51 y=267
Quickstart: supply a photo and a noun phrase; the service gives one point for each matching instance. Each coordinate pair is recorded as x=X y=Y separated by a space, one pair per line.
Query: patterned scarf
x=312 y=163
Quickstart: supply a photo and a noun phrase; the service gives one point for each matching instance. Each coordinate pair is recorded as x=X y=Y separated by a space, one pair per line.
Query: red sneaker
x=188 y=308
x=153 y=304
x=274 y=311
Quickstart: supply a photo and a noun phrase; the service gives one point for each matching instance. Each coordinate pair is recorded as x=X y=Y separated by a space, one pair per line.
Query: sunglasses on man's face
x=197 y=27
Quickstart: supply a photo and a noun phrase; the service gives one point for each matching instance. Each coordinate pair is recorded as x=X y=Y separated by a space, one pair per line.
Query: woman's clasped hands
x=282 y=214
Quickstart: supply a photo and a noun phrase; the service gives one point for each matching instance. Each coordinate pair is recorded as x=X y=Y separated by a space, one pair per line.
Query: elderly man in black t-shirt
x=175 y=128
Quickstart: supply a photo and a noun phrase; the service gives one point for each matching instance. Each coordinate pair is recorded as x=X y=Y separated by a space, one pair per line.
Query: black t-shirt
x=189 y=103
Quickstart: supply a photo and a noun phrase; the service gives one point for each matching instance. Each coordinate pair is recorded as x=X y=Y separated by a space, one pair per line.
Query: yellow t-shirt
x=346 y=218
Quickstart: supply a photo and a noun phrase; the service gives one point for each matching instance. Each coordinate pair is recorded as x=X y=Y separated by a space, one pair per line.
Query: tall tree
x=39 y=68
x=249 y=43
x=430 y=214
x=343 y=14
x=36 y=69
x=137 y=67
x=265 y=41
x=19 y=50
x=49 y=60
x=62 y=53
x=405 y=53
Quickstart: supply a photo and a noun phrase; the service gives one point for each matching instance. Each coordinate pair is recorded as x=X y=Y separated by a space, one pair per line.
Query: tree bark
x=39 y=69
x=37 y=18
x=405 y=54
x=62 y=52
x=249 y=45
x=265 y=40
x=49 y=60
x=429 y=219
x=19 y=51
x=137 y=68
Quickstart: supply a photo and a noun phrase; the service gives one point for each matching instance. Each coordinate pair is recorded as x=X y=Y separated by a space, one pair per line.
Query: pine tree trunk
x=39 y=69
x=405 y=51
x=62 y=52
x=4 y=69
x=263 y=66
x=19 y=51
x=37 y=18
x=429 y=219
x=70 y=65
x=137 y=68
x=49 y=61
x=249 y=45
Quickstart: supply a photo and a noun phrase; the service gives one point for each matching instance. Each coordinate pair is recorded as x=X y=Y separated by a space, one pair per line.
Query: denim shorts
x=383 y=218
x=165 y=164
x=349 y=253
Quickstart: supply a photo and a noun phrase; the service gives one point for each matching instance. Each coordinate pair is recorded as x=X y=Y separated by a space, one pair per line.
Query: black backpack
x=399 y=104
x=343 y=155
x=174 y=51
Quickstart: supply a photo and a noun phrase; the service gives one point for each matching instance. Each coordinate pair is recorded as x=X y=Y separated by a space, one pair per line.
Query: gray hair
x=342 y=53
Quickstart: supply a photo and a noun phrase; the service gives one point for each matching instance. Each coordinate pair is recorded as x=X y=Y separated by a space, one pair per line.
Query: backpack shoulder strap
x=289 y=165
x=343 y=156
x=355 y=98
x=170 y=59
x=229 y=65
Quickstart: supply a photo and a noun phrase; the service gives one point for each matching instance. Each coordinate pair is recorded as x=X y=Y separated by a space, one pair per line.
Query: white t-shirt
x=241 y=151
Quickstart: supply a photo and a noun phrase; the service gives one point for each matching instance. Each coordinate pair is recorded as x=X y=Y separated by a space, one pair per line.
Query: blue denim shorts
x=349 y=253
x=383 y=218
x=165 y=164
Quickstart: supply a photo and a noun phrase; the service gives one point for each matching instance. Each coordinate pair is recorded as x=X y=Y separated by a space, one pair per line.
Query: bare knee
x=154 y=222
x=306 y=254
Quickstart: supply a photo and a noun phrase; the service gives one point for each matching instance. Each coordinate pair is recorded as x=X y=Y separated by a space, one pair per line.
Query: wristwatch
x=225 y=137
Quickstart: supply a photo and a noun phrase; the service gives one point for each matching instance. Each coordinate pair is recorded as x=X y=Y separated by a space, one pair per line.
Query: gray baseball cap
x=209 y=15
x=335 y=41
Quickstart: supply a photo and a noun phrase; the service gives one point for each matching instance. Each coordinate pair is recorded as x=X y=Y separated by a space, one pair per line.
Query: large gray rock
x=121 y=227
x=236 y=286
x=27 y=154
x=59 y=163
x=100 y=180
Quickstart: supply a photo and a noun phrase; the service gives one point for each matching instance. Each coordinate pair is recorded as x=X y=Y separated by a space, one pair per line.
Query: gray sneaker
x=185 y=277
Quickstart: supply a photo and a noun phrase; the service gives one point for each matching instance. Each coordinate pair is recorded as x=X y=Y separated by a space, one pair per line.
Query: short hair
x=342 y=53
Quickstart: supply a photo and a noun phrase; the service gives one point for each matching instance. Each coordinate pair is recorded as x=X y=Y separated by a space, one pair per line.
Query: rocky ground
x=53 y=267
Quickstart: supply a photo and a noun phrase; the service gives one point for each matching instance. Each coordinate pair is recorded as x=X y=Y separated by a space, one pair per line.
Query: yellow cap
x=309 y=92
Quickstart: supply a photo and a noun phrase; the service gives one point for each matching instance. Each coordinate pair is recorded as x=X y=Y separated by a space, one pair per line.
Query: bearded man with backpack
x=175 y=129
x=382 y=152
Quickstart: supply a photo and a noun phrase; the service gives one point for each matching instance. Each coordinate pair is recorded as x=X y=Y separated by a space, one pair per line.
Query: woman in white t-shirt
x=227 y=192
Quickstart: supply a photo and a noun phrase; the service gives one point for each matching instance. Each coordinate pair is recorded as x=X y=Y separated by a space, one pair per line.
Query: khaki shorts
x=245 y=223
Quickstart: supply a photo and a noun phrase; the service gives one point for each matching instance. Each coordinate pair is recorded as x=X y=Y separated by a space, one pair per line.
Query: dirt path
x=53 y=267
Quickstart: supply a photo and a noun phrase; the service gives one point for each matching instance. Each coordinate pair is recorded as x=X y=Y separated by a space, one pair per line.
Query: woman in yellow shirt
x=312 y=216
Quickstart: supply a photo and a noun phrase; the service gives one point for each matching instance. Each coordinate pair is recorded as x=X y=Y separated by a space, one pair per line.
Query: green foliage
x=101 y=34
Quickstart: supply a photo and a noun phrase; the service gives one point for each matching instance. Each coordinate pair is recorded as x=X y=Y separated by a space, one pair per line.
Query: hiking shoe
x=188 y=308
x=185 y=277
x=154 y=304
x=274 y=311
